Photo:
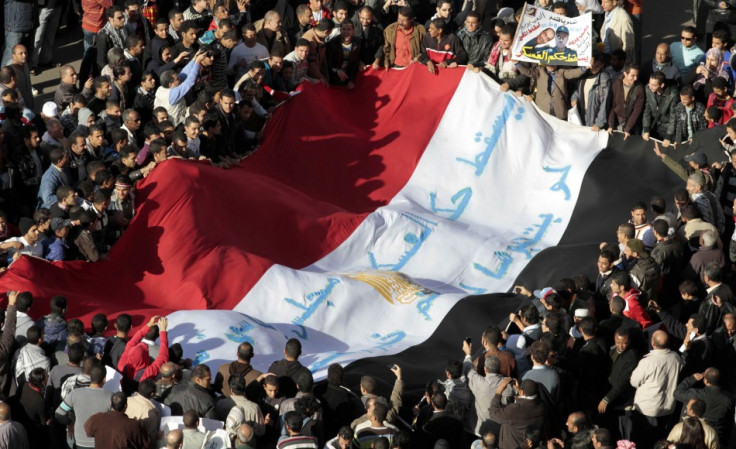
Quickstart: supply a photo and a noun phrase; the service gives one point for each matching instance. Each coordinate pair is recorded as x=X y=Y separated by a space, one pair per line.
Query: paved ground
x=661 y=21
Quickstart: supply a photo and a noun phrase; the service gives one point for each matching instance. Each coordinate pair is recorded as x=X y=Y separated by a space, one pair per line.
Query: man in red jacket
x=621 y=286
x=135 y=363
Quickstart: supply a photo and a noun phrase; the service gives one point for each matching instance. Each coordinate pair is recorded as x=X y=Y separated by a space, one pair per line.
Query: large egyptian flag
x=376 y=225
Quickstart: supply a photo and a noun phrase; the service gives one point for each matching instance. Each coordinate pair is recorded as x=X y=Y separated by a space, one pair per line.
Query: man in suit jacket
x=720 y=299
x=593 y=366
x=370 y=37
x=528 y=410
x=56 y=175
x=443 y=424
x=724 y=350
x=696 y=347
x=719 y=404
x=660 y=100
x=616 y=321
x=623 y=360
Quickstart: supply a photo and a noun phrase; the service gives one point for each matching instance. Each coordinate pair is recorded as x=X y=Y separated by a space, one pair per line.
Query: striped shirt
x=366 y=437
x=297 y=442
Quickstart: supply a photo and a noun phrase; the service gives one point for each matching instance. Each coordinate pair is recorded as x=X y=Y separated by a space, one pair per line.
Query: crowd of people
x=642 y=357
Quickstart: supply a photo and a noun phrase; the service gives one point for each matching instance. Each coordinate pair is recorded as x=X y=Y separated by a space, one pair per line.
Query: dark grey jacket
x=19 y=15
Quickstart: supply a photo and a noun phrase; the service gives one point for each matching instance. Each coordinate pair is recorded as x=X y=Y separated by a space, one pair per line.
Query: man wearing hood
x=135 y=363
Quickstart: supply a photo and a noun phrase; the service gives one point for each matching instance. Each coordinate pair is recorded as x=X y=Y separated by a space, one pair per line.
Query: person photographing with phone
x=135 y=363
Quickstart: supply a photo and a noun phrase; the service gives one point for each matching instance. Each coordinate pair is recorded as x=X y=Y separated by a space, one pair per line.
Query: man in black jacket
x=724 y=350
x=194 y=394
x=720 y=299
x=593 y=365
x=477 y=42
x=719 y=404
x=370 y=37
x=621 y=394
x=289 y=368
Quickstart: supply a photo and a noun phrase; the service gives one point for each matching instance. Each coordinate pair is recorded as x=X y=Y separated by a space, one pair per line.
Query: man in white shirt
x=29 y=243
x=246 y=52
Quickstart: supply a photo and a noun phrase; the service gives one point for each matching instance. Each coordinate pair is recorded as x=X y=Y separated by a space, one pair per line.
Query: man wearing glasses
x=686 y=54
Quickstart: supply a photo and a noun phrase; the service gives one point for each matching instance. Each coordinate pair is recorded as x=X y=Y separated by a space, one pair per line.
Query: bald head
x=174 y=439
x=662 y=54
x=168 y=369
x=245 y=433
x=660 y=339
x=4 y=412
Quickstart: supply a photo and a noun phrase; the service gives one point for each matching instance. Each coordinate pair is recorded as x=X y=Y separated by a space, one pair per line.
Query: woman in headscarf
x=702 y=77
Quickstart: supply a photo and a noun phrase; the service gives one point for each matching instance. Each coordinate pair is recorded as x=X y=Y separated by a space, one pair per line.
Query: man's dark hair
x=587 y=326
x=628 y=229
x=305 y=382
x=492 y=334
x=255 y=64
x=99 y=323
x=714 y=272
x=720 y=82
x=622 y=279
x=110 y=12
x=632 y=65
x=58 y=305
x=439 y=400
x=75 y=325
x=406 y=11
x=609 y=255
x=245 y=351
x=293 y=348
x=661 y=227
x=334 y=374
x=173 y=12
x=200 y=371
x=36 y=378
x=76 y=353
x=33 y=334
x=190 y=419
x=346 y=433
x=690 y=211
x=623 y=331
x=713 y=112
x=123 y=322
x=698 y=406
x=690 y=29
x=530 y=314
x=293 y=421
x=687 y=91
x=157 y=146
x=147 y=388
x=618 y=304
x=301 y=42
x=325 y=25
x=56 y=155
x=98 y=374
x=118 y=402
x=455 y=368
x=187 y=25
x=132 y=40
x=236 y=385
x=722 y=34
x=529 y=387
x=380 y=411
x=604 y=437
x=508 y=30
x=539 y=352
x=699 y=322
x=688 y=287
x=713 y=376
x=339 y=5
x=23 y=302
x=368 y=383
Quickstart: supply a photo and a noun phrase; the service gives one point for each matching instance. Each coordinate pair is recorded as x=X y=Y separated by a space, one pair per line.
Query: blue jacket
x=54 y=330
x=19 y=15
x=54 y=248
x=598 y=102
x=50 y=181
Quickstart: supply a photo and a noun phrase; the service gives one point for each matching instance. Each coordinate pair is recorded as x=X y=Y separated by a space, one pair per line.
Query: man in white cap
x=49 y=111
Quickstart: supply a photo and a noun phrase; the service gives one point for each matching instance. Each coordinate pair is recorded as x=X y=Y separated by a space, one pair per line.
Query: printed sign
x=544 y=37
